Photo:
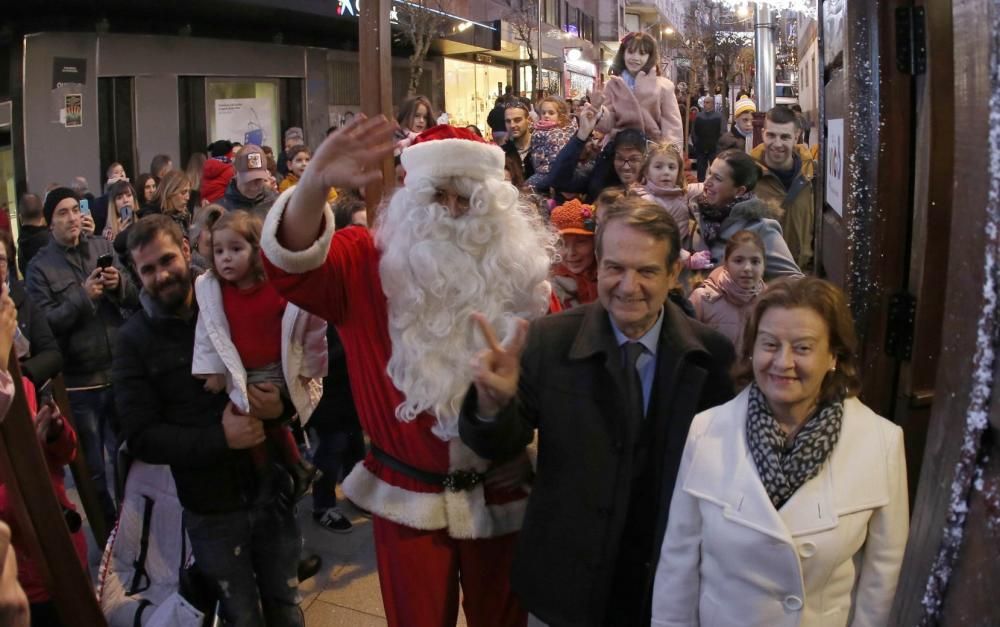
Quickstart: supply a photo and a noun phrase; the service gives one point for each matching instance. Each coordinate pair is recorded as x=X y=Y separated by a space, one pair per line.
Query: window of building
x=551 y=12
x=244 y=111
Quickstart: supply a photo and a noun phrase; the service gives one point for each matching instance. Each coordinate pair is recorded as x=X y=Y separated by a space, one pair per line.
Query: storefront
x=551 y=82
x=471 y=89
x=580 y=74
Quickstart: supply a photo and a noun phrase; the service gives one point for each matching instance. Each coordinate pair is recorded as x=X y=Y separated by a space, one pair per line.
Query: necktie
x=637 y=409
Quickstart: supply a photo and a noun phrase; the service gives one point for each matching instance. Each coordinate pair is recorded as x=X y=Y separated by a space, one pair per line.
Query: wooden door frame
x=968 y=398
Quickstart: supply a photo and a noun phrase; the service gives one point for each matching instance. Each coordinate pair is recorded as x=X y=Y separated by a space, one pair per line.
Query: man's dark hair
x=517 y=103
x=631 y=138
x=149 y=228
x=645 y=216
x=782 y=115
x=30 y=207
x=220 y=148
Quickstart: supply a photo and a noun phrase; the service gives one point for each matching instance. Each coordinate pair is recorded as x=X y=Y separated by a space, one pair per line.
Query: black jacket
x=706 y=132
x=233 y=200
x=30 y=240
x=527 y=163
x=167 y=417
x=44 y=360
x=573 y=390
x=564 y=176
x=85 y=329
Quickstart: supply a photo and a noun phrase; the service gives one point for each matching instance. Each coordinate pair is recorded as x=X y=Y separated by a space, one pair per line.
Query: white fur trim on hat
x=294 y=261
x=446 y=158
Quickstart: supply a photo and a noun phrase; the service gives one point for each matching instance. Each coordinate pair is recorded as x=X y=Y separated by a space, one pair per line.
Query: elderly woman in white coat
x=791 y=503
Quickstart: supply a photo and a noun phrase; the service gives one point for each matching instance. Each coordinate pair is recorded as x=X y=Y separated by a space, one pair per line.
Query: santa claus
x=451 y=242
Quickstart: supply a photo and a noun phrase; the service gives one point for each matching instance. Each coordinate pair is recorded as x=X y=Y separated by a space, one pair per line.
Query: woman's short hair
x=746 y=170
x=829 y=302
x=645 y=44
x=344 y=208
x=646 y=216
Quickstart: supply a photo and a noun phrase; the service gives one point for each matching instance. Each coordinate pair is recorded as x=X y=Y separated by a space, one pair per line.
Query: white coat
x=303 y=350
x=830 y=557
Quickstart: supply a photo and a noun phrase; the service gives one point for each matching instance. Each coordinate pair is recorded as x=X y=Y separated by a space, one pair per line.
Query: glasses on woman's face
x=634 y=162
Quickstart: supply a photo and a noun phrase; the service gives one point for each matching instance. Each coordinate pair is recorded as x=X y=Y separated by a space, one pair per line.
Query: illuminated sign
x=352 y=8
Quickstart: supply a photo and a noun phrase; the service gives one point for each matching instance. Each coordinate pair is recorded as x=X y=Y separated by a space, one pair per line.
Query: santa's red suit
x=425 y=534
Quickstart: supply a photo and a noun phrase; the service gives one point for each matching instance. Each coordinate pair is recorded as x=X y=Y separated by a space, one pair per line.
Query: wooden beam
x=99 y=527
x=39 y=516
x=375 y=57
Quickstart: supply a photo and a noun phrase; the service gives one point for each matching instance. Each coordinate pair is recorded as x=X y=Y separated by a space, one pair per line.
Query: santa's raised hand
x=497 y=368
x=349 y=157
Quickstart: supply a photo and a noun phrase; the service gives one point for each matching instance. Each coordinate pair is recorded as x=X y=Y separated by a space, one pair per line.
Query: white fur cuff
x=300 y=261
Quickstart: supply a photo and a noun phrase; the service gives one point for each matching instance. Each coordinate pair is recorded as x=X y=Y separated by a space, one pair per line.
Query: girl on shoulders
x=636 y=96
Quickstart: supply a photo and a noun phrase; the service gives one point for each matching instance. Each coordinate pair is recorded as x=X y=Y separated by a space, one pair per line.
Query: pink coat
x=676 y=201
x=651 y=108
x=723 y=305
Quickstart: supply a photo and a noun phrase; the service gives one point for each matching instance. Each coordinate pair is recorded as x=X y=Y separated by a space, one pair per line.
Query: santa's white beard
x=436 y=271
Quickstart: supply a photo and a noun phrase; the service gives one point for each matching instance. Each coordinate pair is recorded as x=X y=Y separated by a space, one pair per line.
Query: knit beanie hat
x=53 y=198
x=445 y=151
x=743 y=105
x=573 y=218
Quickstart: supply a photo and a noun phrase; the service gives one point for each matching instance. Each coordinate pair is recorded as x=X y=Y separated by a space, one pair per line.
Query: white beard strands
x=436 y=271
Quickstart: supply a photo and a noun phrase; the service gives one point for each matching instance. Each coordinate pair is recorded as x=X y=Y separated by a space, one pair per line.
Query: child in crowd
x=636 y=96
x=726 y=298
x=574 y=278
x=298 y=159
x=552 y=132
x=248 y=335
x=664 y=183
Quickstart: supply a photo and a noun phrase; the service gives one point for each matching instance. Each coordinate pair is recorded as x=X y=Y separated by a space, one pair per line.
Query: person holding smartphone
x=75 y=281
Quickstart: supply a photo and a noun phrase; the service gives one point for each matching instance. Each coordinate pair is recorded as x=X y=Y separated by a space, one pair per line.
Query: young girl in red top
x=248 y=335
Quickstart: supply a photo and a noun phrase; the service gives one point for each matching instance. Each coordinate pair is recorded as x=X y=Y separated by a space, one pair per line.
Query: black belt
x=458 y=481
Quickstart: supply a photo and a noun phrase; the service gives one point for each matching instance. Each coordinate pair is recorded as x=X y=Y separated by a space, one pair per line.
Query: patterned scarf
x=712 y=217
x=783 y=471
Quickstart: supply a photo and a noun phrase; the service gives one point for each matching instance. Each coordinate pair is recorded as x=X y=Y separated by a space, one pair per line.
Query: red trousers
x=419 y=573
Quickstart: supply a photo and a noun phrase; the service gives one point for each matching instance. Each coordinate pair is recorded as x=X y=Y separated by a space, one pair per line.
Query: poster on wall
x=835 y=165
x=73 y=111
x=245 y=120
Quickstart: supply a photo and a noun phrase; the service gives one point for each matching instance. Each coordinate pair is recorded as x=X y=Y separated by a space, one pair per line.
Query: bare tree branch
x=420 y=23
x=522 y=15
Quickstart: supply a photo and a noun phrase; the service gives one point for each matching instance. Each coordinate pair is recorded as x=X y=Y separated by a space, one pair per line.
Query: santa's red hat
x=445 y=151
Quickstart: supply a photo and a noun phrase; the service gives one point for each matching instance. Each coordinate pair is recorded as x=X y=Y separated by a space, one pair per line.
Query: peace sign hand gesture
x=497 y=368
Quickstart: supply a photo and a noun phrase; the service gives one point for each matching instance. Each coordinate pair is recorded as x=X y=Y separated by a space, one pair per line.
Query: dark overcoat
x=573 y=391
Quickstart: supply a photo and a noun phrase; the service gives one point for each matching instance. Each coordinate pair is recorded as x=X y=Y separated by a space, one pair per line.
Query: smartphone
x=105 y=260
x=125 y=213
x=85 y=207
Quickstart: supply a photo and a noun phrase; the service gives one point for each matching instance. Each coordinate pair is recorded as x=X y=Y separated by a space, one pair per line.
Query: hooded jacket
x=798 y=218
x=750 y=215
x=215 y=177
x=676 y=202
x=723 y=305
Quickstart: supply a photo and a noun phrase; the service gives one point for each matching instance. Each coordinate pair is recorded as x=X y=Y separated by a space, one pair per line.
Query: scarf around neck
x=722 y=282
x=784 y=470
x=712 y=217
x=586 y=283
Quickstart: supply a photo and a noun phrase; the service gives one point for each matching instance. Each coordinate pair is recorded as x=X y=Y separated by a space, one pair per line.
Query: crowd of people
x=565 y=374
